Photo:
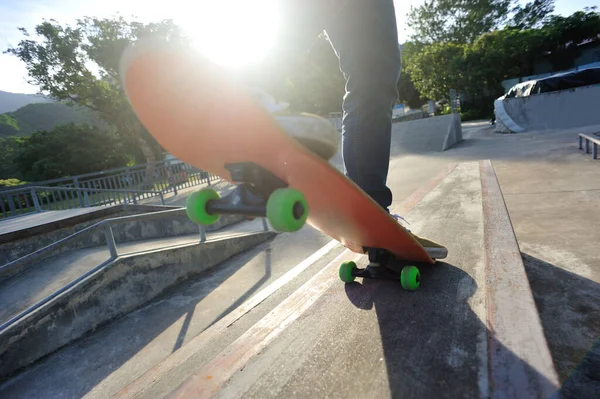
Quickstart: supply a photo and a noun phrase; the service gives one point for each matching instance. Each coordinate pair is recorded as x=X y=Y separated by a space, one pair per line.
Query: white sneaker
x=435 y=250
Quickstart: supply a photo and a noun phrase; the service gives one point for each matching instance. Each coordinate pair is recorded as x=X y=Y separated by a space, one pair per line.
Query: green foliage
x=45 y=116
x=563 y=34
x=69 y=150
x=7 y=183
x=311 y=81
x=10 y=148
x=79 y=64
x=477 y=69
x=9 y=126
x=474 y=113
x=436 y=68
x=458 y=21
x=407 y=92
x=532 y=14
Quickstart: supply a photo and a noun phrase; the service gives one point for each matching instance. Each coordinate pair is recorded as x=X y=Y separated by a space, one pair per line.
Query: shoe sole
x=437 y=253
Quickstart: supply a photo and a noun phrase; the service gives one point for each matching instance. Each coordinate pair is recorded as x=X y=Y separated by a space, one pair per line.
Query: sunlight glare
x=233 y=33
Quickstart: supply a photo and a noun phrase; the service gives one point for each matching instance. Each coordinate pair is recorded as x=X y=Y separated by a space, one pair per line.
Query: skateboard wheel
x=195 y=207
x=346 y=270
x=410 y=278
x=287 y=209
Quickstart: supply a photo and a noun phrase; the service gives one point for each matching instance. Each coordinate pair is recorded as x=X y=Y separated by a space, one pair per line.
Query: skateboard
x=205 y=117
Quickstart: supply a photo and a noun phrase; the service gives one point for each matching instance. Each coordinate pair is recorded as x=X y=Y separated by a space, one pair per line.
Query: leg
x=365 y=38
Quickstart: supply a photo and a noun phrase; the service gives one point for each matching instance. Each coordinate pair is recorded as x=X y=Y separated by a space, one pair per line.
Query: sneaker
x=435 y=250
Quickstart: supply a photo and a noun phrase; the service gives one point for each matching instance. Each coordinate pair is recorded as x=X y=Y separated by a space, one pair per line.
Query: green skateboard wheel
x=195 y=207
x=287 y=209
x=346 y=269
x=410 y=278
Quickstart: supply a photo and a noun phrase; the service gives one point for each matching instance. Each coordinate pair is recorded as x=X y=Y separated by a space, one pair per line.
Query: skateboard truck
x=409 y=277
x=258 y=193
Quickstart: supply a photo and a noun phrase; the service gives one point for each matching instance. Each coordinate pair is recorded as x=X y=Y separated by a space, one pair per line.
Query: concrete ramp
x=470 y=330
x=435 y=134
x=562 y=109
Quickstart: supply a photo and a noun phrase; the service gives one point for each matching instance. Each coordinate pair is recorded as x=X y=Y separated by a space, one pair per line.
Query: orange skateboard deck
x=201 y=115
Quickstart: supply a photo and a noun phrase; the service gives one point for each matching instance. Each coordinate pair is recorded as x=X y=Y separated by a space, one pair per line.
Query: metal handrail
x=83 y=194
x=61 y=188
x=112 y=248
x=31 y=257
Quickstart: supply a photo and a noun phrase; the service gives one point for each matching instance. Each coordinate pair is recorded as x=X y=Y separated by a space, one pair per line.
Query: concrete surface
x=111 y=356
x=563 y=109
x=434 y=343
x=36 y=283
x=551 y=191
x=436 y=134
x=117 y=288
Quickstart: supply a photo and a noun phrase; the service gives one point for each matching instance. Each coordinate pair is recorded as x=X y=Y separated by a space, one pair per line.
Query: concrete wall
x=116 y=289
x=433 y=134
x=557 y=110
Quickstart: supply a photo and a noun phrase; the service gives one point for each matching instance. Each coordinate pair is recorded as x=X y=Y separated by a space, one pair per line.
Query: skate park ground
x=369 y=339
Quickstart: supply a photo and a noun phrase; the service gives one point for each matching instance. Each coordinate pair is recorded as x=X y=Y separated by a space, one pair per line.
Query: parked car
x=560 y=81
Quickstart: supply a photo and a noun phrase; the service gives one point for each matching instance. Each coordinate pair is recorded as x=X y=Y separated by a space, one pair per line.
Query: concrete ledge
x=20 y=242
x=117 y=288
x=435 y=134
x=520 y=364
x=160 y=227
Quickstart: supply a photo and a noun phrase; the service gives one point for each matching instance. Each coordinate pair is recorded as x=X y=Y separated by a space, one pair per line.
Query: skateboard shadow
x=431 y=338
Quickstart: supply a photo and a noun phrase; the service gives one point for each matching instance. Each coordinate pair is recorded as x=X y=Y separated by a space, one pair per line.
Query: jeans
x=364 y=36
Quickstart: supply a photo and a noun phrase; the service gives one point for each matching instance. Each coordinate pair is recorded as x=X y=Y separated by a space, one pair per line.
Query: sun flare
x=233 y=33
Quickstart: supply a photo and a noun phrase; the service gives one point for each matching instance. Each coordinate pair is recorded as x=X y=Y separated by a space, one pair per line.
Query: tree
x=500 y=55
x=69 y=150
x=80 y=65
x=563 y=36
x=532 y=15
x=462 y=21
x=9 y=126
x=306 y=75
x=10 y=148
x=407 y=92
x=436 y=68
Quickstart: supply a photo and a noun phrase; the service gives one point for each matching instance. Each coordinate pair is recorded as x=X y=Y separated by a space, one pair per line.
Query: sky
x=253 y=34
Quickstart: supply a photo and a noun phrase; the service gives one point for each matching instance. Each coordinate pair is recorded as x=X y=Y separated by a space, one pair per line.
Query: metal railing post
x=11 y=204
x=171 y=177
x=265 y=225
x=162 y=197
x=110 y=241
x=36 y=203
x=78 y=192
x=86 y=199
x=202 y=229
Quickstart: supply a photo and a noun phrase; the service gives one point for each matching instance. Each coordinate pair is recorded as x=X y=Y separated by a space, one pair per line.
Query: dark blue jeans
x=364 y=36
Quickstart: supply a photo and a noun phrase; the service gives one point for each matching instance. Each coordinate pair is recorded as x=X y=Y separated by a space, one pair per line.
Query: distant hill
x=44 y=116
x=10 y=102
